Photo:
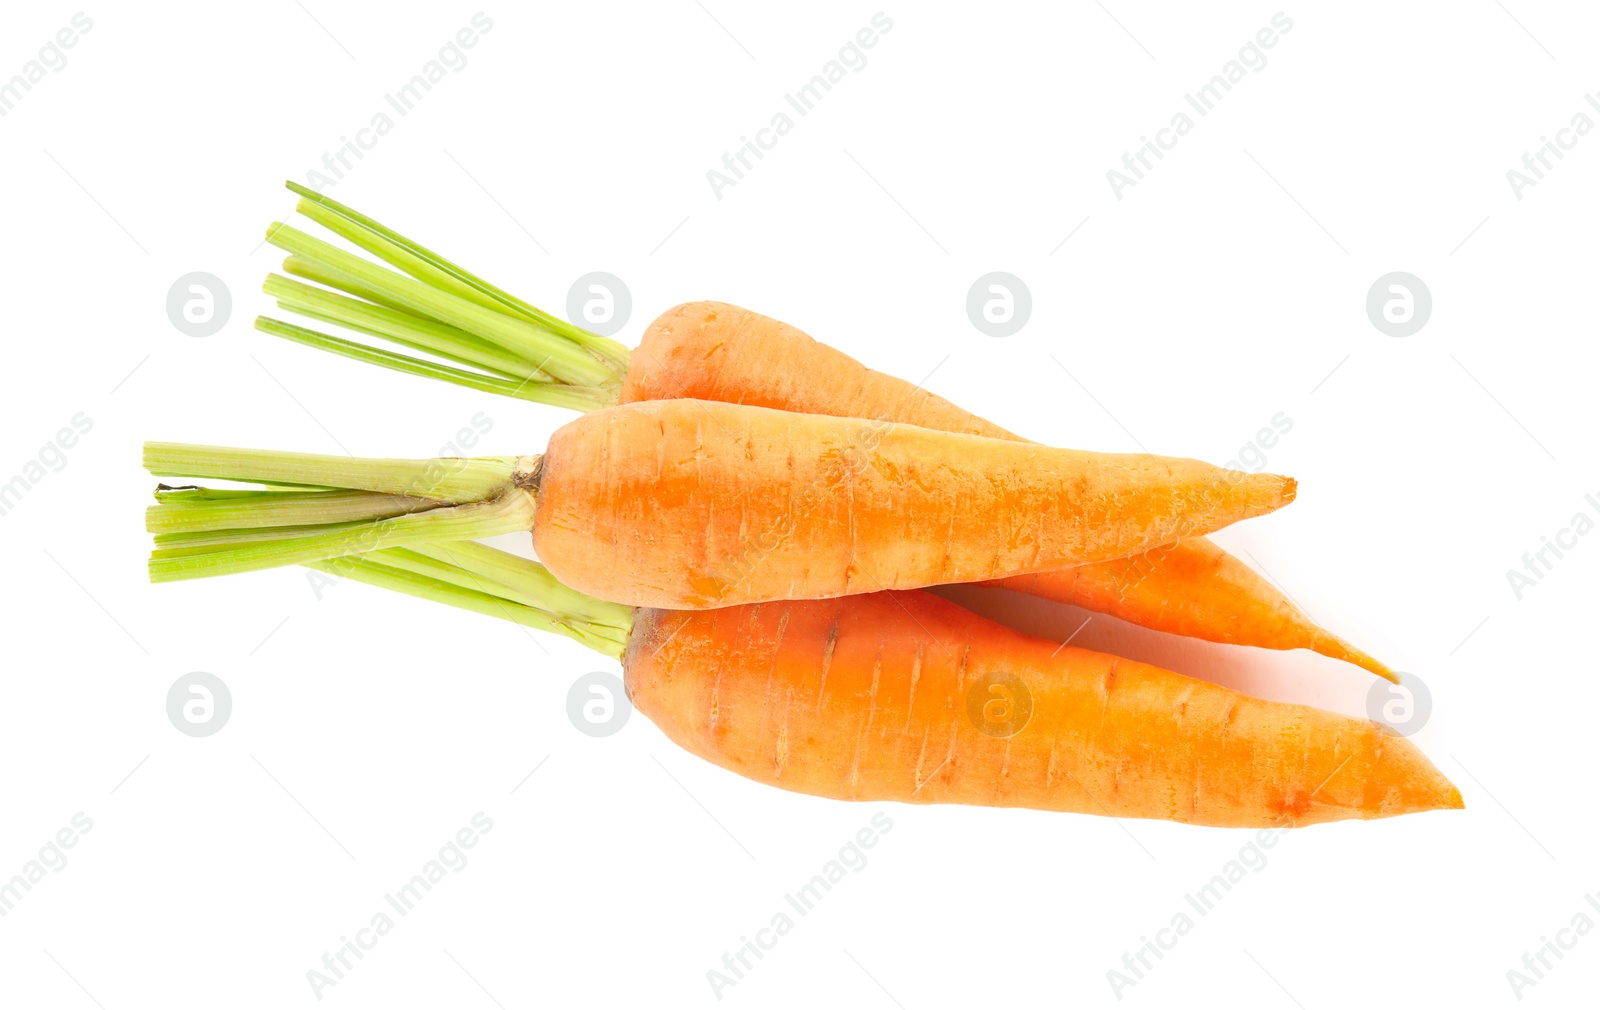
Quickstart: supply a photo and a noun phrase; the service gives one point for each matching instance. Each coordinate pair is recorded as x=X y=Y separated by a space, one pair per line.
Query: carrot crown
x=430 y=304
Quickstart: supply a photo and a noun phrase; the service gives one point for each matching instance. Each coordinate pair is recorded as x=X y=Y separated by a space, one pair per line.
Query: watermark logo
x=1537 y=564
x=1251 y=59
x=199 y=704
x=999 y=704
x=599 y=302
x=51 y=59
x=999 y=304
x=1399 y=304
x=1538 y=963
x=851 y=59
x=1137 y=964
x=1403 y=707
x=1252 y=456
x=802 y=901
x=598 y=704
x=450 y=859
x=51 y=458
x=199 y=304
x=450 y=59
x=52 y=858
x=1537 y=162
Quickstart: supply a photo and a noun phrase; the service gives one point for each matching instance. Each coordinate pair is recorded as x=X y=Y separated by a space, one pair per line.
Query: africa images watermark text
x=851 y=59
x=1252 y=59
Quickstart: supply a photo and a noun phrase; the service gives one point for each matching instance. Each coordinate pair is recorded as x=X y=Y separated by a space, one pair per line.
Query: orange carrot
x=691 y=504
x=713 y=351
x=1193 y=588
x=905 y=696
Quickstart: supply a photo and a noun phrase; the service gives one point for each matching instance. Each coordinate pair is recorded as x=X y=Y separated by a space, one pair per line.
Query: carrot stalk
x=507 y=514
x=395 y=325
x=452 y=480
x=181 y=511
x=532 y=388
x=529 y=582
x=491 y=582
x=489 y=601
x=426 y=265
x=322 y=273
x=561 y=357
x=376 y=503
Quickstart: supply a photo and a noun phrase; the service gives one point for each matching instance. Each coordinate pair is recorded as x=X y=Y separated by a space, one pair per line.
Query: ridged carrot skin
x=908 y=697
x=715 y=351
x=688 y=504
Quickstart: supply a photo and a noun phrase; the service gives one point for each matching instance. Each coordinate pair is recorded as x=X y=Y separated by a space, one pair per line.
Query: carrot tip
x=1370 y=665
x=1335 y=647
x=1291 y=487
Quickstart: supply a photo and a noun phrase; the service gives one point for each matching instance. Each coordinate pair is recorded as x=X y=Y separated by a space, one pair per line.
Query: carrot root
x=688 y=504
x=908 y=697
x=1237 y=606
x=904 y=696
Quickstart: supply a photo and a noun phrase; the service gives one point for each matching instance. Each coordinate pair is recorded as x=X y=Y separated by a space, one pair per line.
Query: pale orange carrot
x=1195 y=588
x=690 y=504
x=907 y=697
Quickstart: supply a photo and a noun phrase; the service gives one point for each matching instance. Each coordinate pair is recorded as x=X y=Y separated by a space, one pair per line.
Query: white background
x=1226 y=287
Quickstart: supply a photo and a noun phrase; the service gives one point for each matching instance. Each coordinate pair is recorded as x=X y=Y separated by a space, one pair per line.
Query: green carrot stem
x=193 y=493
x=177 y=543
x=479 y=324
x=527 y=581
x=393 y=324
x=603 y=625
x=373 y=570
x=190 y=513
x=509 y=513
x=429 y=266
x=584 y=398
x=377 y=503
x=322 y=273
x=558 y=355
x=487 y=569
x=423 y=266
x=458 y=353
x=447 y=480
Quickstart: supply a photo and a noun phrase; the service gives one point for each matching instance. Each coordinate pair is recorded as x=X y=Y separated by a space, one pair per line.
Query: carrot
x=1197 y=589
x=907 y=697
x=869 y=699
x=712 y=351
x=1191 y=587
x=690 y=504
